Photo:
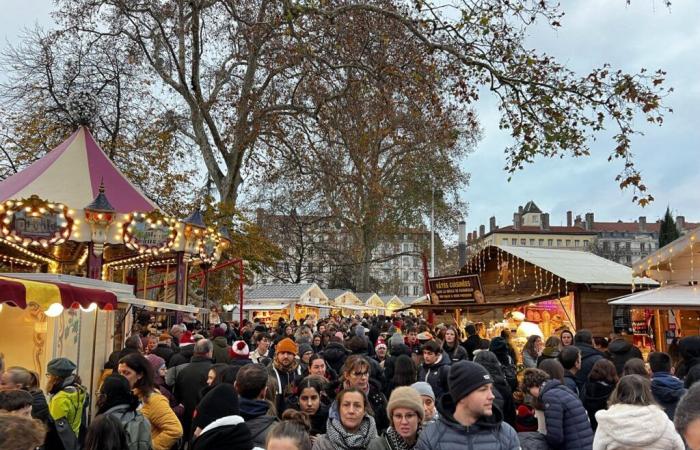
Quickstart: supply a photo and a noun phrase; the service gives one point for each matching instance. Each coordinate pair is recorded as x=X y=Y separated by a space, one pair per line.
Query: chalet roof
x=335 y=293
x=278 y=291
x=530 y=207
x=577 y=266
x=364 y=296
x=411 y=299
x=672 y=295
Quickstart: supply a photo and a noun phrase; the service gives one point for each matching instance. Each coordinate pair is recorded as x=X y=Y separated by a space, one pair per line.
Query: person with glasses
x=405 y=411
x=356 y=374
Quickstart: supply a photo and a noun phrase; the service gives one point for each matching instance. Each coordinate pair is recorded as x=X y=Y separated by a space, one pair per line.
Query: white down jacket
x=630 y=427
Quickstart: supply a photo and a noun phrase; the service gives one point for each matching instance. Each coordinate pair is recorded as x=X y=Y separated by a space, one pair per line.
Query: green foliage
x=668 y=232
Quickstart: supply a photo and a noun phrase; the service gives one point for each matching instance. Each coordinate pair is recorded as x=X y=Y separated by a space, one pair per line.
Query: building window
x=541 y=243
x=617 y=246
x=558 y=242
x=415 y=290
x=577 y=243
x=550 y=242
x=415 y=276
x=406 y=261
x=514 y=241
x=405 y=290
x=628 y=246
x=405 y=276
x=585 y=244
x=568 y=242
x=642 y=246
x=523 y=241
x=606 y=246
x=532 y=242
x=504 y=241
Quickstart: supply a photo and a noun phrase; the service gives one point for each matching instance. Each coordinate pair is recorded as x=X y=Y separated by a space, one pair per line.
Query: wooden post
x=180 y=278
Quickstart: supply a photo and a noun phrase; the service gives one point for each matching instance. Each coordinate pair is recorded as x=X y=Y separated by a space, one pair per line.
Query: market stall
x=372 y=302
x=655 y=317
x=291 y=301
x=546 y=289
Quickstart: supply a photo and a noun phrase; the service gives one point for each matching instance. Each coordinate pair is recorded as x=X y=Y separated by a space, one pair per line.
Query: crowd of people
x=372 y=383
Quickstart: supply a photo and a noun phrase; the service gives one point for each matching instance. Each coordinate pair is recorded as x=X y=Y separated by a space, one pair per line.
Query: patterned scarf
x=396 y=442
x=359 y=440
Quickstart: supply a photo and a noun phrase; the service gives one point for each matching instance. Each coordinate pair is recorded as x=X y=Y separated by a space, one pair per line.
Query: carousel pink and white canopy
x=71 y=174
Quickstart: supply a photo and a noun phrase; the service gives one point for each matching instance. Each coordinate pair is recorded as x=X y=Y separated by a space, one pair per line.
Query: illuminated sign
x=456 y=289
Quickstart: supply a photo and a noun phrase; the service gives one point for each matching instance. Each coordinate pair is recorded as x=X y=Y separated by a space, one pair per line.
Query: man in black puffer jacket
x=689 y=368
x=468 y=418
x=589 y=355
x=622 y=351
x=568 y=427
x=473 y=341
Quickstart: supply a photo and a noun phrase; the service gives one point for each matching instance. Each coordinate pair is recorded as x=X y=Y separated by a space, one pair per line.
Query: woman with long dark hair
x=532 y=351
x=116 y=399
x=106 y=433
x=596 y=392
x=165 y=426
x=405 y=374
x=310 y=393
x=452 y=346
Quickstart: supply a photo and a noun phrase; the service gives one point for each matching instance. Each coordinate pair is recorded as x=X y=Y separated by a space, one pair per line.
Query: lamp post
x=100 y=215
x=194 y=232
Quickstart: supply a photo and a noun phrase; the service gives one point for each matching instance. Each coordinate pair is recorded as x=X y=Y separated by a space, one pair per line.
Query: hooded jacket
x=436 y=374
x=488 y=433
x=667 y=390
x=568 y=427
x=456 y=353
x=620 y=352
x=632 y=426
x=255 y=414
x=221 y=350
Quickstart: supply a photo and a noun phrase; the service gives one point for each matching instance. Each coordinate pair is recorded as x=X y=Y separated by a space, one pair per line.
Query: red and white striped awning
x=22 y=292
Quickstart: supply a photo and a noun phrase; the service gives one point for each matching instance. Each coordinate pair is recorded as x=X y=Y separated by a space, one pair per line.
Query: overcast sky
x=643 y=34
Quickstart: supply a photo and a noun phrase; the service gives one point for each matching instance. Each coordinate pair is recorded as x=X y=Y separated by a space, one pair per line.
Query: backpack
x=137 y=428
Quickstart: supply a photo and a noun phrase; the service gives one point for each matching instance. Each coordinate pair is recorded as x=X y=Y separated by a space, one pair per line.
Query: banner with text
x=456 y=289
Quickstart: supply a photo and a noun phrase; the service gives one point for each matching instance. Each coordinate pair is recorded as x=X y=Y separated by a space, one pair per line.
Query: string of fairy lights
x=654 y=263
x=512 y=272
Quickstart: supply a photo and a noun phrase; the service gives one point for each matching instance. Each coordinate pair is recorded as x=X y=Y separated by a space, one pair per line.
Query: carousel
x=77 y=238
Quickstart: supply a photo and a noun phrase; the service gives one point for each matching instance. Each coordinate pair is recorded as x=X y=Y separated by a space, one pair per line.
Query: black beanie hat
x=220 y=402
x=465 y=377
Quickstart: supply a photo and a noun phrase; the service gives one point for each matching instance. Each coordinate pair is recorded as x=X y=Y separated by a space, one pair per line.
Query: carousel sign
x=34 y=221
x=150 y=233
x=456 y=289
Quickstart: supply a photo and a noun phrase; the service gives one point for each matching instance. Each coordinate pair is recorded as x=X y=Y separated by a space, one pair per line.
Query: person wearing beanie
x=284 y=368
x=217 y=421
x=164 y=347
x=405 y=412
x=426 y=393
x=159 y=373
x=221 y=347
x=305 y=353
x=185 y=350
x=467 y=416
x=117 y=400
x=67 y=396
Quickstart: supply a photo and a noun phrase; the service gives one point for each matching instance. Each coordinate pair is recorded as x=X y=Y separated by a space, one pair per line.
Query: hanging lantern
x=99 y=214
x=194 y=232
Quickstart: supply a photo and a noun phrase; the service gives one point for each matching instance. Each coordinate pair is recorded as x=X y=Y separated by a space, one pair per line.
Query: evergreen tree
x=668 y=231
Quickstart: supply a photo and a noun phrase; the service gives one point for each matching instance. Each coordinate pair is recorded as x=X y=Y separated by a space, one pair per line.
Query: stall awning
x=669 y=296
x=20 y=292
x=314 y=305
x=354 y=307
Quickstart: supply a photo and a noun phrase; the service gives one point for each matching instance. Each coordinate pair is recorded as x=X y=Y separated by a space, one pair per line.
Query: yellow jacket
x=68 y=403
x=165 y=426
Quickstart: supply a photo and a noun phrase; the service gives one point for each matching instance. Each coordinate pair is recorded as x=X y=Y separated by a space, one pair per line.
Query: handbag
x=66 y=434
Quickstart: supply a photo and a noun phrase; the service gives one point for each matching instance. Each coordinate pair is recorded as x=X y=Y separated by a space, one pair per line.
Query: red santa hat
x=186 y=338
x=239 y=350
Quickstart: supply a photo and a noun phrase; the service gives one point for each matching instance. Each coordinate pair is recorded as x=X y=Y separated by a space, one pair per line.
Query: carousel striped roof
x=71 y=174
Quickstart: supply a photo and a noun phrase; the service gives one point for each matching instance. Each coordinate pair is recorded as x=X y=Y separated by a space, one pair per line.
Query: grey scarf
x=359 y=440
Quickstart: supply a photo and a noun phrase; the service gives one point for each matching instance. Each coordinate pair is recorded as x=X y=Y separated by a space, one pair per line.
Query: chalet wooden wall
x=592 y=310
